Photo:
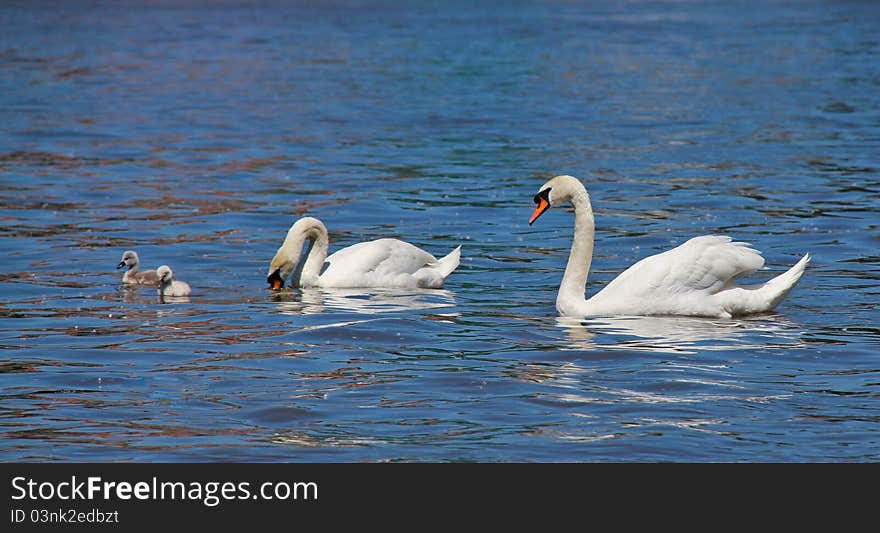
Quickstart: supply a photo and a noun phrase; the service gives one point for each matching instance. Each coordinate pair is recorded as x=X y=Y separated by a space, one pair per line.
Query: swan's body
x=168 y=286
x=383 y=263
x=697 y=278
x=132 y=275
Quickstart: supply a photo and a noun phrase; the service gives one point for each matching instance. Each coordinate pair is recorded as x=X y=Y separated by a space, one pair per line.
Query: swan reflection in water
x=173 y=299
x=362 y=301
x=674 y=334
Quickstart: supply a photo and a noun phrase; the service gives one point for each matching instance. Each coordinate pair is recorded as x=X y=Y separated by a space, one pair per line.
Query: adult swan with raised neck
x=697 y=278
x=383 y=263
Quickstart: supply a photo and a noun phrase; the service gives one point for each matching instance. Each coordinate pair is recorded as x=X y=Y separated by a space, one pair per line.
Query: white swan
x=696 y=278
x=386 y=263
x=168 y=286
x=130 y=260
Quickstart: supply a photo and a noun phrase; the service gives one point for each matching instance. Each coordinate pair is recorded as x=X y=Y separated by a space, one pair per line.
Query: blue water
x=197 y=132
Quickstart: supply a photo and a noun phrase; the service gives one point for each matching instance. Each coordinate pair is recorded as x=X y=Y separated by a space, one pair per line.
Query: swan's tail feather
x=433 y=275
x=449 y=262
x=763 y=297
x=781 y=285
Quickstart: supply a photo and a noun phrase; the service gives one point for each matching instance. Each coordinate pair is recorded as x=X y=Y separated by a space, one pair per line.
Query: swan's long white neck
x=317 y=253
x=303 y=273
x=574 y=281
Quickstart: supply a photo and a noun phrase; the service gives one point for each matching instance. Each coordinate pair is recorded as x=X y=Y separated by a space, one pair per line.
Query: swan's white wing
x=704 y=264
x=379 y=263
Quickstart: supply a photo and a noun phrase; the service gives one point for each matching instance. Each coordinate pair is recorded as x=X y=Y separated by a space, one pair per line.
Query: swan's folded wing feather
x=382 y=257
x=704 y=264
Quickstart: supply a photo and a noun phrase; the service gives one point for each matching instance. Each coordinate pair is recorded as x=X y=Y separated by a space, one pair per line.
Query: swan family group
x=697 y=278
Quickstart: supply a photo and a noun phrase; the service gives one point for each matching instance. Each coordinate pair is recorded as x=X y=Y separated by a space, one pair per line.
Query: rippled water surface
x=197 y=132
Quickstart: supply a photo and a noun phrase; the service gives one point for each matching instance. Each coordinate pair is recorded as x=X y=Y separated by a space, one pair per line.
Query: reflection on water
x=361 y=301
x=678 y=334
x=173 y=299
x=315 y=441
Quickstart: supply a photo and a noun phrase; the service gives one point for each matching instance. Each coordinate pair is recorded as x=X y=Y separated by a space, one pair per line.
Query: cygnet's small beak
x=274 y=280
x=120 y=265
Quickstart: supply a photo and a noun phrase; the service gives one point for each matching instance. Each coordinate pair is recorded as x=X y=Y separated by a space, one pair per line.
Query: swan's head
x=288 y=255
x=129 y=259
x=165 y=275
x=558 y=190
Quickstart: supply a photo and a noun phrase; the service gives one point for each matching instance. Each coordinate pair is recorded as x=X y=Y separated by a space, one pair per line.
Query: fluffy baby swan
x=168 y=286
x=132 y=275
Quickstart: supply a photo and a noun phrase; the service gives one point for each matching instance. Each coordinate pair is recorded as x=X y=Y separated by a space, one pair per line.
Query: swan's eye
x=543 y=195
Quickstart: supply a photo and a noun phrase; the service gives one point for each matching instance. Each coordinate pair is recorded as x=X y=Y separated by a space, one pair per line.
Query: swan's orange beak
x=274 y=280
x=543 y=205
